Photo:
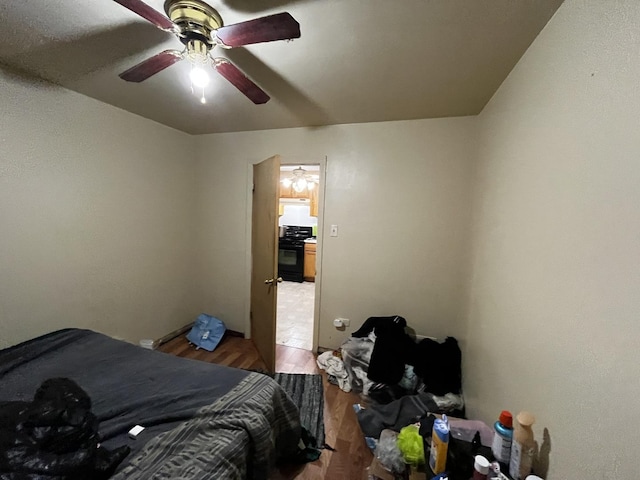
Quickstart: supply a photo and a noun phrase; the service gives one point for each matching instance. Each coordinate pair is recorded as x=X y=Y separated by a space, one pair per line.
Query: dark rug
x=307 y=393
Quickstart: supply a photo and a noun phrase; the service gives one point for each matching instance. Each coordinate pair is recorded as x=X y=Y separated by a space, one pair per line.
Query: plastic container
x=439 y=445
x=480 y=468
x=501 y=446
x=465 y=430
x=523 y=446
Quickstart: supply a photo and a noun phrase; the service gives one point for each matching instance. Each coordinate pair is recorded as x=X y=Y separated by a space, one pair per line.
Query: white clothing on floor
x=334 y=366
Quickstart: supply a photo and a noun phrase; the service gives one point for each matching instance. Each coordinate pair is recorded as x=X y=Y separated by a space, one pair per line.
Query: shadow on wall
x=541 y=460
x=292 y=98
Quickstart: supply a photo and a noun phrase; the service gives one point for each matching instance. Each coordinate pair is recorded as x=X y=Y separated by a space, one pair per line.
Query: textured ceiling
x=356 y=61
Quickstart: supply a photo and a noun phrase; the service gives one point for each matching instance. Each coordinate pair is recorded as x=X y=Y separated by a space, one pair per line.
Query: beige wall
x=399 y=192
x=97 y=217
x=108 y=223
x=553 y=314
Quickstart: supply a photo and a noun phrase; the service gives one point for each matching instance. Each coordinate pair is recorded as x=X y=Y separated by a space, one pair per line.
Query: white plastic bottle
x=523 y=446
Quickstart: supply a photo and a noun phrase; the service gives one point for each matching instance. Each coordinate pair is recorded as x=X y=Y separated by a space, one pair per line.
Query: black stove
x=294 y=234
x=291 y=252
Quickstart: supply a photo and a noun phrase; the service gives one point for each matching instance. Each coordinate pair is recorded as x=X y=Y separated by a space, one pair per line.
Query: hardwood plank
x=342 y=431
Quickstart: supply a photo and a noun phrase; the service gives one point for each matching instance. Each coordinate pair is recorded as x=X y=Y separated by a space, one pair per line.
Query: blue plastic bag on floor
x=207 y=331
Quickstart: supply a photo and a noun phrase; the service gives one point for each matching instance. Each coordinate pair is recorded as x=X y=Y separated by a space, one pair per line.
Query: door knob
x=270 y=281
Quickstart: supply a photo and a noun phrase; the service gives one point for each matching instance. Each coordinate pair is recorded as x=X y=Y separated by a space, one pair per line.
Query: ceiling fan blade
x=148 y=13
x=151 y=66
x=239 y=80
x=280 y=26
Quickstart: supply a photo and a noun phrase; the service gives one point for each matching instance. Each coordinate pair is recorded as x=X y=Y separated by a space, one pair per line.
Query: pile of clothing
x=402 y=378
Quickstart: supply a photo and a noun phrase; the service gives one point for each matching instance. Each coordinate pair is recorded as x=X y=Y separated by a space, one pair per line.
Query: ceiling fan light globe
x=286 y=182
x=299 y=184
x=199 y=77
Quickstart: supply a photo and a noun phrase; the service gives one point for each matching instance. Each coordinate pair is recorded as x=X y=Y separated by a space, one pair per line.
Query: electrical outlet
x=345 y=321
x=334 y=231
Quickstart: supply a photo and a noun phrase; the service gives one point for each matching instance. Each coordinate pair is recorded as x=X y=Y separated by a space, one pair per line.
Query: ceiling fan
x=200 y=28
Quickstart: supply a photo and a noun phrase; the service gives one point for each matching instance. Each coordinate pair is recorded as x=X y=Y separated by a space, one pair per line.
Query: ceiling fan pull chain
x=203 y=100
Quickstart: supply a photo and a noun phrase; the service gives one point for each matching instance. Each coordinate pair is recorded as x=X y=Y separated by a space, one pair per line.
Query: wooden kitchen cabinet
x=309 y=262
x=289 y=192
x=313 y=204
x=312 y=195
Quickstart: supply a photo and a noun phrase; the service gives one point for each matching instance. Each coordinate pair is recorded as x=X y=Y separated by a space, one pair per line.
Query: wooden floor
x=342 y=432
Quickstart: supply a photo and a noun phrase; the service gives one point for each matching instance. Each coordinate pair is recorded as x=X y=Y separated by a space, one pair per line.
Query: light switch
x=334 y=231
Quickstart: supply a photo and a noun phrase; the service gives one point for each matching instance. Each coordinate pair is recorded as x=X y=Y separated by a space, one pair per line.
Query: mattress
x=195 y=414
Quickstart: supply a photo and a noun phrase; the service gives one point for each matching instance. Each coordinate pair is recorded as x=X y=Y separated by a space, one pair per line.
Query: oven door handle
x=270 y=281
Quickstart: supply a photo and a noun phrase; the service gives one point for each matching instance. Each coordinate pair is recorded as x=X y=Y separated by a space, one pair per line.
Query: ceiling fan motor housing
x=196 y=20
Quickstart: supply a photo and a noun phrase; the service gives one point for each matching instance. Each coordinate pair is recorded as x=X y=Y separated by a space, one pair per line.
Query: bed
x=201 y=420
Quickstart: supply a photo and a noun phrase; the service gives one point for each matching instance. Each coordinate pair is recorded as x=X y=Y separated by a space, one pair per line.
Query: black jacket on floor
x=439 y=365
x=392 y=350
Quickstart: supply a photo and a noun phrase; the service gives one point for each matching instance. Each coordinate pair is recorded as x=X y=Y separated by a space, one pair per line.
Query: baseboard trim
x=423 y=337
x=233 y=333
x=170 y=336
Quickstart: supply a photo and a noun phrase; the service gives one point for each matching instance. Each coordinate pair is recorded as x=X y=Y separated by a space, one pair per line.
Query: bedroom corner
x=97 y=212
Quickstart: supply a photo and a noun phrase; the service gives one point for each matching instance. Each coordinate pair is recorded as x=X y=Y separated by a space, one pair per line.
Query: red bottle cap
x=506 y=418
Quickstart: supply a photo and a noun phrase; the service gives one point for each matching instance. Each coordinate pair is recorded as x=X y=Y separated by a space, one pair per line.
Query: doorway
x=298 y=225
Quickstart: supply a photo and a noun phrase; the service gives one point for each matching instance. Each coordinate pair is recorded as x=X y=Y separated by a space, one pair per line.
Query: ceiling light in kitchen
x=300 y=180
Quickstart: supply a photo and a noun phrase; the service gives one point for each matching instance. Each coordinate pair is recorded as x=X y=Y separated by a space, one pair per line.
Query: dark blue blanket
x=128 y=385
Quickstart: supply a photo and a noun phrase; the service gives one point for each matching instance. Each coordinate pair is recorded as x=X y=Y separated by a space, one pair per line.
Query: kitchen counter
x=311 y=240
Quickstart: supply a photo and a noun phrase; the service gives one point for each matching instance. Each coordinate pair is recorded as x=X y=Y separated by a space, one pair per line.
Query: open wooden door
x=264 y=258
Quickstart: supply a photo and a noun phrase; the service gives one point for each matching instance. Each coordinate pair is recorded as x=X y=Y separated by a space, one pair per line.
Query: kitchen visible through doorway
x=294 y=324
x=297 y=222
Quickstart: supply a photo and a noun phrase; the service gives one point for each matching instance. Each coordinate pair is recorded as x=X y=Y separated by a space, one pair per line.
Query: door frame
x=317 y=309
